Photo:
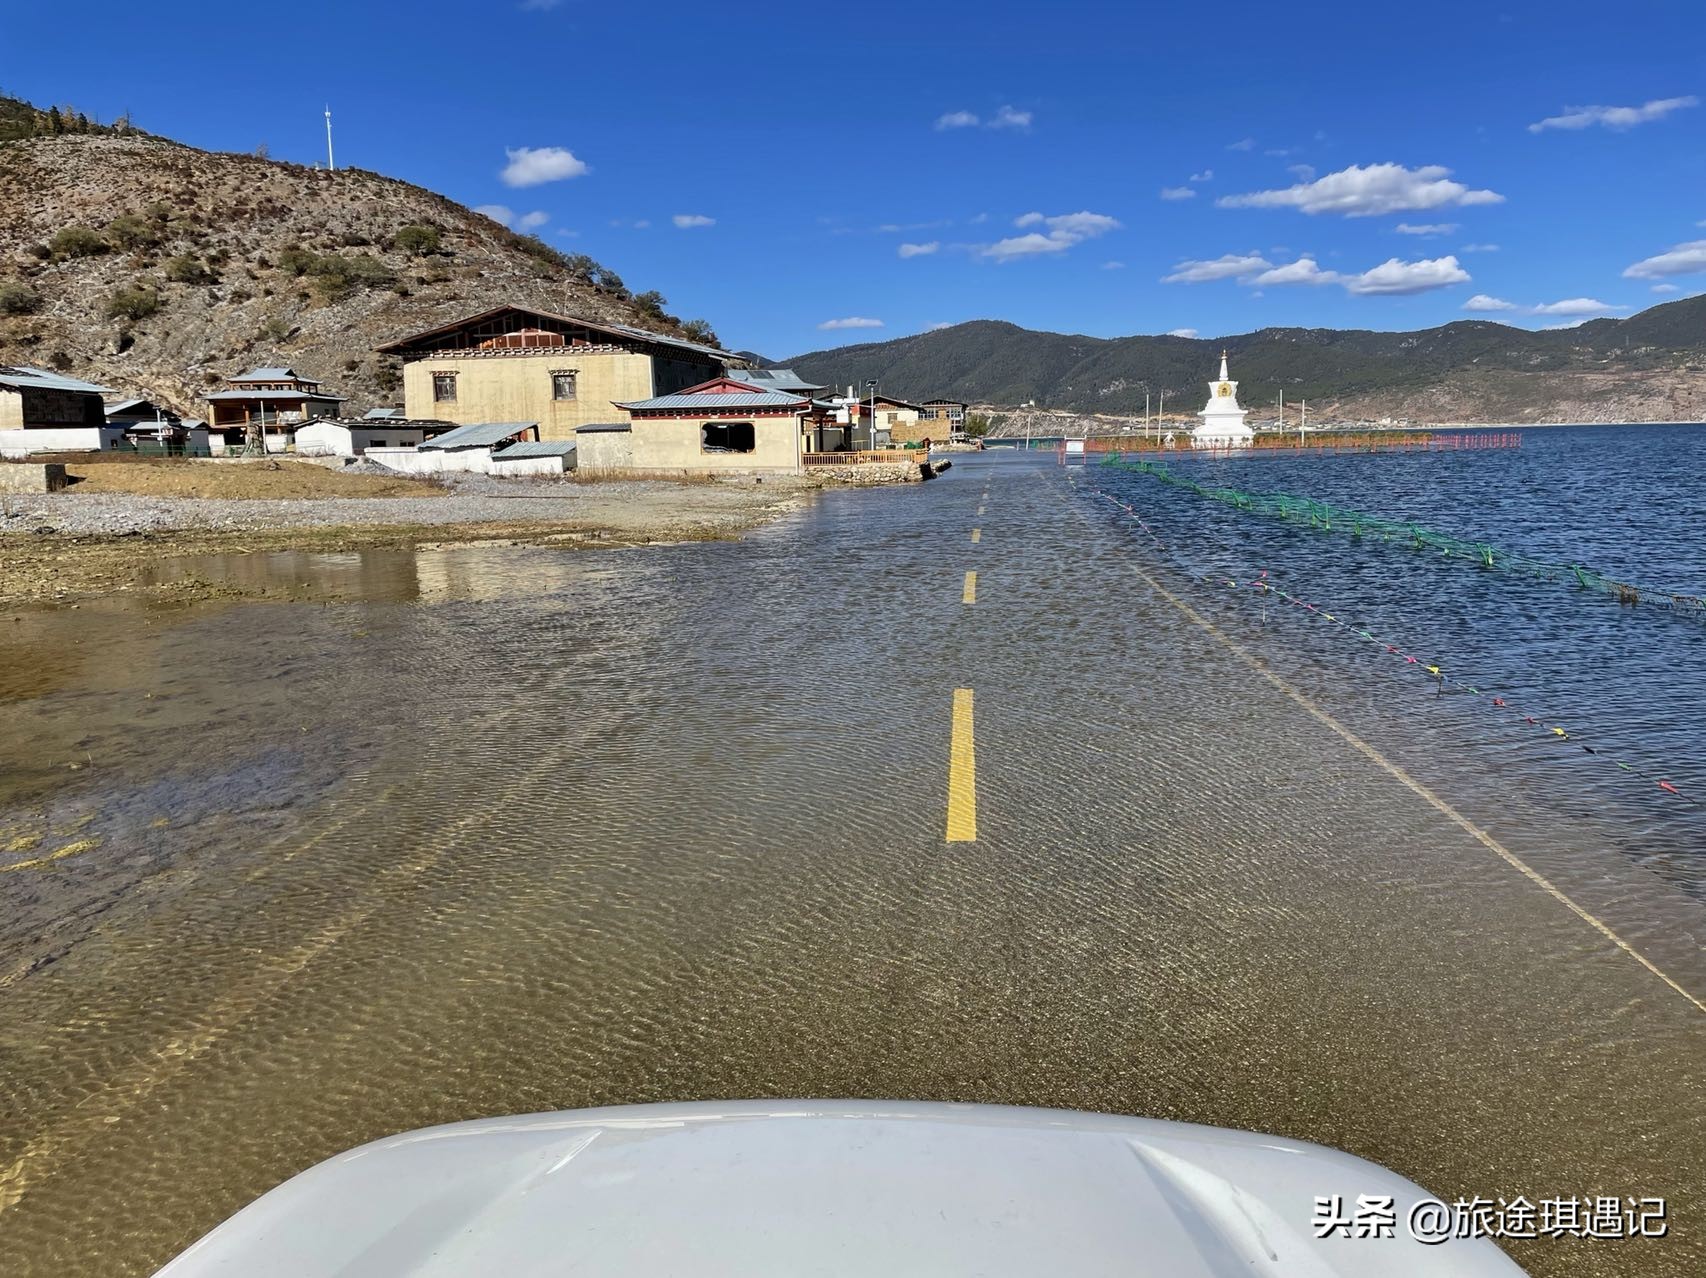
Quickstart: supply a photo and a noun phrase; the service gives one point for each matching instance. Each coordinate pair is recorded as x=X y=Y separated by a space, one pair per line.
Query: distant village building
x=487 y=448
x=519 y=364
x=1222 y=423
x=150 y=425
x=277 y=399
x=946 y=415
x=43 y=412
x=722 y=425
x=335 y=437
x=896 y=422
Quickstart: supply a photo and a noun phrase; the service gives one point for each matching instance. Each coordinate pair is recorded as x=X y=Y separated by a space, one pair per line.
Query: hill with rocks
x=158 y=269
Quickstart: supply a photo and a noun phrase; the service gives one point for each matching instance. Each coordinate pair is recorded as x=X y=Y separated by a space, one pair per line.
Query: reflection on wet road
x=571 y=829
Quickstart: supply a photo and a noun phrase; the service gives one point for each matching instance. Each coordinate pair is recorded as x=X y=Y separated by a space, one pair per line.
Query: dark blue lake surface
x=1627 y=682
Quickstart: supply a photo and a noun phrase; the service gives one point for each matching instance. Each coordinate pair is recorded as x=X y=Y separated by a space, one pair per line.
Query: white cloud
x=530 y=166
x=852 y=321
x=1302 y=172
x=1575 y=306
x=1368 y=192
x=1479 y=248
x=1666 y=288
x=1242 y=144
x=1684 y=259
x=1395 y=278
x=937 y=328
x=1064 y=231
x=1207 y=175
x=1181 y=332
x=1031 y=245
x=1425 y=228
x=1113 y=266
x=687 y=221
x=1008 y=117
x=980 y=219
x=1303 y=271
x=1486 y=302
x=1178 y=193
x=1230 y=267
x=918 y=250
x=538 y=6
x=506 y=216
x=1613 y=117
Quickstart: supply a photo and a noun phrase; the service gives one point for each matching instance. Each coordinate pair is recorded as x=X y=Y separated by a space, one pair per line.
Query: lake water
x=501 y=829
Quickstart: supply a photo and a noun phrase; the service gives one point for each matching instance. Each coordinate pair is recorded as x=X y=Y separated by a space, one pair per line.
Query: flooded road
x=503 y=830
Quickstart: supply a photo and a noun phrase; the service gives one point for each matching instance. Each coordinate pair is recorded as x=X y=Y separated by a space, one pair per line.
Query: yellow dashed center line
x=970 y=594
x=962 y=773
x=980 y=510
x=976 y=535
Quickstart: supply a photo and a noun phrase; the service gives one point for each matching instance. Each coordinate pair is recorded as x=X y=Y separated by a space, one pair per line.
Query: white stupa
x=1222 y=421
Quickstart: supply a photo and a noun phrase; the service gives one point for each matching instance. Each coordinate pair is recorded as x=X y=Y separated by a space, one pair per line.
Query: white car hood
x=747 y=1189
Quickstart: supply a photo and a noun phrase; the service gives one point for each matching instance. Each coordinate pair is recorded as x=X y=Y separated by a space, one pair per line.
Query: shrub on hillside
x=297 y=260
x=698 y=330
x=77 y=241
x=18 y=298
x=186 y=270
x=130 y=232
x=135 y=302
x=336 y=275
x=417 y=240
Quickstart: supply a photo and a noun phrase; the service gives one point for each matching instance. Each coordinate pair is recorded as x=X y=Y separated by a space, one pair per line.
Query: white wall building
x=328 y=438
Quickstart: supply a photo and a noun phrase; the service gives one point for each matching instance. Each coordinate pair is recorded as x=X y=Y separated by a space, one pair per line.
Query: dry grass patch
x=235 y=480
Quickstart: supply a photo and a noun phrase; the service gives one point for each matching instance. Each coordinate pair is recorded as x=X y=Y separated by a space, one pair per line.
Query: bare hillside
x=156 y=268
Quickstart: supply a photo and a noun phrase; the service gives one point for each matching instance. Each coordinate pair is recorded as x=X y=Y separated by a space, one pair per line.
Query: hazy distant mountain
x=1651 y=366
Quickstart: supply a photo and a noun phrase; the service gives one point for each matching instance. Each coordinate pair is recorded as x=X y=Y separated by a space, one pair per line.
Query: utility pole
x=1146 y=412
x=1302 y=423
x=1282 y=411
x=329 y=164
x=871 y=434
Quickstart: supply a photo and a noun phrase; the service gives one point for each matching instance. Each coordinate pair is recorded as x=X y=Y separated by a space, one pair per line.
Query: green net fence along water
x=1356 y=524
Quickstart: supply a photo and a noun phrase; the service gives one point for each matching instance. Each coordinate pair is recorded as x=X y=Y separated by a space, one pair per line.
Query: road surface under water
x=503 y=830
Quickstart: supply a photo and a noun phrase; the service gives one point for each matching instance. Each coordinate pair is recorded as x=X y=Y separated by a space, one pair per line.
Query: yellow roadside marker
x=976 y=535
x=970 y=595
x=962 y=773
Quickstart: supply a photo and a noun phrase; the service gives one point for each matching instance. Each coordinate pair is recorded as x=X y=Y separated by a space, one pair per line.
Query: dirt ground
x=240 y=481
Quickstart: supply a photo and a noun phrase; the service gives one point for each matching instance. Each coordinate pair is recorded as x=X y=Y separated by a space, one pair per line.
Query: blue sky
x=1100 y=168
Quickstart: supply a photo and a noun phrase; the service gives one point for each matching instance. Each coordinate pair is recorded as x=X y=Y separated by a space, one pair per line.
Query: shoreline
x=55 y=553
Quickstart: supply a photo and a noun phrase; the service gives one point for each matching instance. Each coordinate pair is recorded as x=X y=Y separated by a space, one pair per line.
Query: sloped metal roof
x=627 y=330
x=718 y=402
x=535 y=448
x=779 y=379
x=482 y=435
x=269 y=375
x=23 y=377
x=595 y=428
x=295 y=392
x=381 y=414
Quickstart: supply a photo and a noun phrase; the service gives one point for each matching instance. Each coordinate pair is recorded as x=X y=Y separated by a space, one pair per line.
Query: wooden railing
x=862 y=457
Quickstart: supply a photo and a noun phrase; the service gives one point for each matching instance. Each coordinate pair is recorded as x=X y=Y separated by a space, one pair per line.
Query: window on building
x=444 y=388
x=563 y=385
x=728 y=437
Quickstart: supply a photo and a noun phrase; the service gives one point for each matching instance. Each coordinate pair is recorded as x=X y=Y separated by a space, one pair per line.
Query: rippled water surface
x=496 y=830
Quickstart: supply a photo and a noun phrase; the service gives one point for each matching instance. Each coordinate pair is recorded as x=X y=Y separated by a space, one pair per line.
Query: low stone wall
x=31 y=477
x=869 y=474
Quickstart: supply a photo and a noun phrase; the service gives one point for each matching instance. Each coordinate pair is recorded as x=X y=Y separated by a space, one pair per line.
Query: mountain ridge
x=1648 y=366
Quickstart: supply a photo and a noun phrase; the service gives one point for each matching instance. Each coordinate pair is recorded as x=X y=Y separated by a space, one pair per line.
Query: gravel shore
x=59 y=546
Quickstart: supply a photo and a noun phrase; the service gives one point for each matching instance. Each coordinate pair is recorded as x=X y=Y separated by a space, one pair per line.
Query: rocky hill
x=1648 y=367
x=155 y=268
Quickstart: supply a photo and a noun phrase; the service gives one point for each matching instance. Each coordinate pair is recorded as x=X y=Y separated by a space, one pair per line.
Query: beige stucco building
x=722 y=426
x=518 y=364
